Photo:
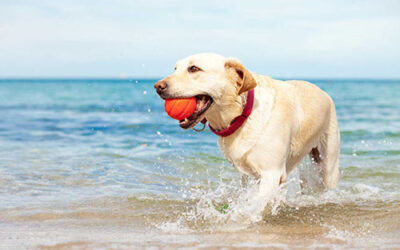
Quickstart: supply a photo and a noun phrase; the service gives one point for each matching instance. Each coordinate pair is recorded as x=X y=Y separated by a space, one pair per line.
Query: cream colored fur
x=289 y=119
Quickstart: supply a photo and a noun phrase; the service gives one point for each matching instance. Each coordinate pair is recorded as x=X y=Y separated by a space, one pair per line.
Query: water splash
x=230 y=206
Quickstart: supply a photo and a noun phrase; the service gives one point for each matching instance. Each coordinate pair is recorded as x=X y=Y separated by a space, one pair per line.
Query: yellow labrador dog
x=289 y=119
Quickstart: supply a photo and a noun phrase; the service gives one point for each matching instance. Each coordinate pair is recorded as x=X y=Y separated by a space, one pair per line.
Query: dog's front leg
x=269 y=182
x=270 y=164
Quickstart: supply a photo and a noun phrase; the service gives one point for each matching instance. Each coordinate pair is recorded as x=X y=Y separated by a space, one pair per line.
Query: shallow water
x=98 y=164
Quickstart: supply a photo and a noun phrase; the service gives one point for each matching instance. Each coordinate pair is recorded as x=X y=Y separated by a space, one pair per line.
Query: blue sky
x=135 y=38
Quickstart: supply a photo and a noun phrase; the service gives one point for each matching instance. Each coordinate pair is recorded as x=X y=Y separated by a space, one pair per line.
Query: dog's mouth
x=203 y=103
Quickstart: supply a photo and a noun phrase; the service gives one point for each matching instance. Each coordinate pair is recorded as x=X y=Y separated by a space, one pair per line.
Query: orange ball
x=180 y=109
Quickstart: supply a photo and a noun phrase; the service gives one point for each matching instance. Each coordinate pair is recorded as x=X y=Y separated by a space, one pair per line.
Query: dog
x=288 y=121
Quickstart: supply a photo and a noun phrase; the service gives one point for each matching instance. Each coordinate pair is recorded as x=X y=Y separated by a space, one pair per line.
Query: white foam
x=230 y=206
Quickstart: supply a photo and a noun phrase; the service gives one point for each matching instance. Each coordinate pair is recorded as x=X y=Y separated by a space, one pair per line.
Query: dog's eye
x=193 y=69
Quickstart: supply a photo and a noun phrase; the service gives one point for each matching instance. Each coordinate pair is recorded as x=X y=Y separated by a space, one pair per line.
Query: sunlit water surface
x=98 y=164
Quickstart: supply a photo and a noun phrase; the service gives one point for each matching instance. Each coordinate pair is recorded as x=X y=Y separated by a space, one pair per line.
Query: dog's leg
x=325 y=160
x=269 y=182
x=330 y=149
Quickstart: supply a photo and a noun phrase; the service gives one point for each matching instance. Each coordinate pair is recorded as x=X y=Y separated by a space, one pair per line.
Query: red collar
x=239 y=120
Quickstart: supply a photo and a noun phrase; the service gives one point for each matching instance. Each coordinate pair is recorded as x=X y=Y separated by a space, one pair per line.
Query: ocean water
x=98 y=164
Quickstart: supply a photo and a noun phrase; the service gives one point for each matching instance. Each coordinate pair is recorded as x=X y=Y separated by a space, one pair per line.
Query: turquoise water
x=102 y=155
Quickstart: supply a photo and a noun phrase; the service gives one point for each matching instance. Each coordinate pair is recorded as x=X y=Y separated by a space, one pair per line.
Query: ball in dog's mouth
x=203 y=102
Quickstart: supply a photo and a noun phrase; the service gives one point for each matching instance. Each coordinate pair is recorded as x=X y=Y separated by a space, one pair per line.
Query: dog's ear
x=239 y=75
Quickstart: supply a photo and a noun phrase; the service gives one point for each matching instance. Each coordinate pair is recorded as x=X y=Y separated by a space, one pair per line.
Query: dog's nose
x=161 y=86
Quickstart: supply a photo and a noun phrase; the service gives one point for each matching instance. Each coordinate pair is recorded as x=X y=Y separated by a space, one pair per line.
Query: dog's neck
x=222 y=114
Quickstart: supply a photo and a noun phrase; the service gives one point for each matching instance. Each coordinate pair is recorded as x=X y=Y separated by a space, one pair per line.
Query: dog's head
x=214 y=80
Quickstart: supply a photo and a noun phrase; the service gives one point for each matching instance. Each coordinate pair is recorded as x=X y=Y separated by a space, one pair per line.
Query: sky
x=144 y=38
